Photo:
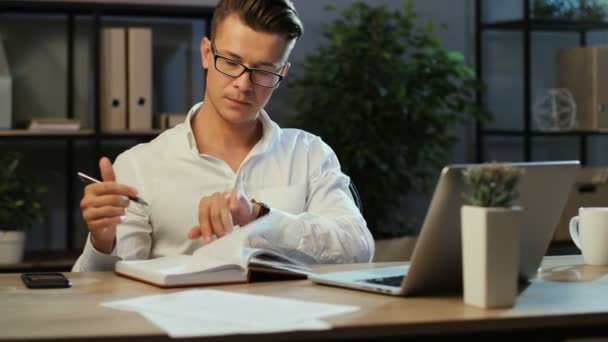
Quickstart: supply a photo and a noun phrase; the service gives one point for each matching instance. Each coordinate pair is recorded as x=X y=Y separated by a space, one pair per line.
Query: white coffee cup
x=589 y=232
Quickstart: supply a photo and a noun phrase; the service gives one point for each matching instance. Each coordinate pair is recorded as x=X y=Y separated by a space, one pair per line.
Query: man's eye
x=231 y=63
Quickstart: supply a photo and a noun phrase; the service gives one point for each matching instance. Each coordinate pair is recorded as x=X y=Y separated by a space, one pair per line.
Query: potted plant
x=490 y=226
x=20 y=207
x=387 y=97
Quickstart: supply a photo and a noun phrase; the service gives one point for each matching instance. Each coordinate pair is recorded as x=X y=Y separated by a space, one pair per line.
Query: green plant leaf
x=20 y=200
x=385 y=94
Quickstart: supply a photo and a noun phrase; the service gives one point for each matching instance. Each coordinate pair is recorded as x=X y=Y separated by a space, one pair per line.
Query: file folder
x=139 y=76
x=584 y=71
x=113 y=77
x=6 y=94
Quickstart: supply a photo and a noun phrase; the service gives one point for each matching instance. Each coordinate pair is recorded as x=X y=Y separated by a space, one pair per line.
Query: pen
x=89 y=179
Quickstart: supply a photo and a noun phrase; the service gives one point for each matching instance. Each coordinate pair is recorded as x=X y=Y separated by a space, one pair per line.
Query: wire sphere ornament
x=555 y=110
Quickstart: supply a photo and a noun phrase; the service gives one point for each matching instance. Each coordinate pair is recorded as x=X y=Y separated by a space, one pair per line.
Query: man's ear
x=205 y=47
x=286 y=69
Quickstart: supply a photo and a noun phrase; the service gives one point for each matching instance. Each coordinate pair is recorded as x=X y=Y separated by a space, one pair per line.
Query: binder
x=139 y=78
x=584 y=71
x=6 y=90
x=170 y=120
x=113 y=109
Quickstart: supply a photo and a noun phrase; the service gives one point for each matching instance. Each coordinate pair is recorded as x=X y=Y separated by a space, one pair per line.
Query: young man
x=229 y=164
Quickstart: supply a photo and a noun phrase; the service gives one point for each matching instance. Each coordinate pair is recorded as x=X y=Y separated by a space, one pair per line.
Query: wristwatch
x=264 y=209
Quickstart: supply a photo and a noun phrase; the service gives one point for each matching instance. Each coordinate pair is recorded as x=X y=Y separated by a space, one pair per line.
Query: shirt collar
x=270 y=131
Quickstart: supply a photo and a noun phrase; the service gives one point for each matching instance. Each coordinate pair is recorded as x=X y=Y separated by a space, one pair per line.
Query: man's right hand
x=103 y=206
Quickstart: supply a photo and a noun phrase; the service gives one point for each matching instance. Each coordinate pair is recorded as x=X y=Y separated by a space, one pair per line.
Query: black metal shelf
x=515 y=132
x=546 y=25
x=178 y=9
x=527 y=24
x=175 y=9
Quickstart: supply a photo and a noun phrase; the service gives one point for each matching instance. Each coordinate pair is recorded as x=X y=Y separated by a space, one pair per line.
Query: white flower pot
x=490 y=255
x=12 y=244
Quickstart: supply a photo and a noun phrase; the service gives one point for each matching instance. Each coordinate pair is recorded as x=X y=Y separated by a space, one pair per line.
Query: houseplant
x=387 y=97
x=490 y=235
x=20 y=207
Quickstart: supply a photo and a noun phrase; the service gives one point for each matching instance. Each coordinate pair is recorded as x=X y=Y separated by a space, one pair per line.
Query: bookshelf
x=87 y=145
x=526 y=26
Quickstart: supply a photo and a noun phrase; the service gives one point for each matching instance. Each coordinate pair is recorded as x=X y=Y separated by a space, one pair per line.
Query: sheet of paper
x=177 y=327
x=563 y=297
x=212 y=312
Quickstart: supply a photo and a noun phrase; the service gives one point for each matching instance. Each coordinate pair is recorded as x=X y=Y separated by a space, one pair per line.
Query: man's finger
x=108 y=223
x=109 y=188
x=227 y=220
x=235 y=195
x=107 y=172
x=93 y=214
x=215 y=216
x=203 y=221
x=194 y=233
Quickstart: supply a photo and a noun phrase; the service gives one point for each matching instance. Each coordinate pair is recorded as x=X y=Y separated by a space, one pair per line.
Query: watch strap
x=264 y=209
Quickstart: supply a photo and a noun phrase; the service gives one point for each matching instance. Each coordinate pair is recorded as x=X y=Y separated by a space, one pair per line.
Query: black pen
x=89 y=179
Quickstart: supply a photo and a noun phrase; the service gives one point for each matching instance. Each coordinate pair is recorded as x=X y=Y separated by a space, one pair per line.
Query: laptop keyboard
x=387 y=281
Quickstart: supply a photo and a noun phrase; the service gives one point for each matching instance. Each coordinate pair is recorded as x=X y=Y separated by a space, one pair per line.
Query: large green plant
x=387 y=97
x=20 y=201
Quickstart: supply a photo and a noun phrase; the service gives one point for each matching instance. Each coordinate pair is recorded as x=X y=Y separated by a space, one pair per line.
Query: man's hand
x=102 y=206
x=220 y=212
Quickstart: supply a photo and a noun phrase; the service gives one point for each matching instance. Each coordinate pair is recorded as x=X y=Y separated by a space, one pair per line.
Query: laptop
x=436 y=262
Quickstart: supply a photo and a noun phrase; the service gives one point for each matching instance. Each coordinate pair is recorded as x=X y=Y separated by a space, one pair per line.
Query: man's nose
x=243 y=82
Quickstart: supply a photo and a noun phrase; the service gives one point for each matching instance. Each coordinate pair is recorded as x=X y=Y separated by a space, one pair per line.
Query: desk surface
x=567 y=299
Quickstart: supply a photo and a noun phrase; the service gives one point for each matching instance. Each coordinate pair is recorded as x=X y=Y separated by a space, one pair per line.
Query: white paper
x=191 y=327
x=562 y=297
x=212 y=312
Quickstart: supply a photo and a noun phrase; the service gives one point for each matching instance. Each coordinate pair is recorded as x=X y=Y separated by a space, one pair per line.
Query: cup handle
x=574 y=232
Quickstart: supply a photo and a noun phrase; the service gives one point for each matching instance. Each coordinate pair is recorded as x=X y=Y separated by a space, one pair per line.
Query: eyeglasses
x=233 y=68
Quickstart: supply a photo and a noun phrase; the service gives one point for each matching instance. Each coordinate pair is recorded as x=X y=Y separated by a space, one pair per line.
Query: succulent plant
x=492 y=184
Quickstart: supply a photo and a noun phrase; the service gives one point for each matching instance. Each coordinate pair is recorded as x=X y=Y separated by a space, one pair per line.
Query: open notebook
x=226 y=260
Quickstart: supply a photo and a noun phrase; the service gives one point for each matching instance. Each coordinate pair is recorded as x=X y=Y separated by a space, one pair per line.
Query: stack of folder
x=170 y=120
x=126 y=79
x=6 y=86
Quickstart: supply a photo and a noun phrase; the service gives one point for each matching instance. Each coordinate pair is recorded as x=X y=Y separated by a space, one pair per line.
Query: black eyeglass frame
x=245 y=69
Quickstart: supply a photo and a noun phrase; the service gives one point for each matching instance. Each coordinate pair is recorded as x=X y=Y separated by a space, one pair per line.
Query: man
x=228 y=164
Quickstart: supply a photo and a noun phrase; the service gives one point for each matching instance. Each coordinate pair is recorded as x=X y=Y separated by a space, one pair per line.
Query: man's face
x=236 y=99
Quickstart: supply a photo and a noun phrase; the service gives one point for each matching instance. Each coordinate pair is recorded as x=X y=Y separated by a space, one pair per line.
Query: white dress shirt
x=313 y=216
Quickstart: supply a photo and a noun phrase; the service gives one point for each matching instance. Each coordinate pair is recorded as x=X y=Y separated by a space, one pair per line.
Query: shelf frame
x=178 y=9
x=549 y=25
x=527 y=25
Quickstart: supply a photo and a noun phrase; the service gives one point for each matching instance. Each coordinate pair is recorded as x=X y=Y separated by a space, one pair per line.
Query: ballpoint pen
x=89 y=179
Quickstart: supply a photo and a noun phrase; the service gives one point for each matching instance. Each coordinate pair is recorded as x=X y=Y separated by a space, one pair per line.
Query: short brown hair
x=275 y=16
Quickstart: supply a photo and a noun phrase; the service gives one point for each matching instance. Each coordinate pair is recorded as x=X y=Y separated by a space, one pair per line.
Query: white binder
x=113 y=77
x=139 y=61
x=6 y=93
